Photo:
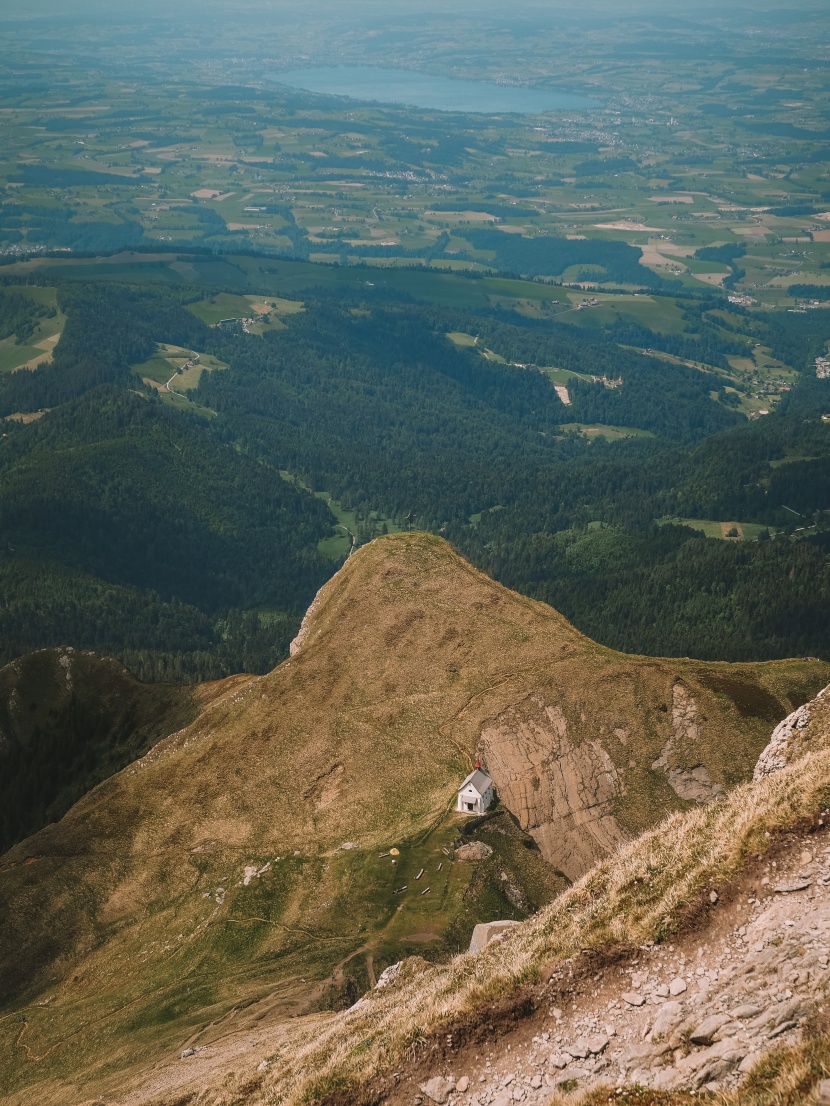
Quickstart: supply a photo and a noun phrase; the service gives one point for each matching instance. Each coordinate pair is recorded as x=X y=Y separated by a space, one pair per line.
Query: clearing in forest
x=611 y=433
x=713 y=528
x=37 y=348
x=265 y=311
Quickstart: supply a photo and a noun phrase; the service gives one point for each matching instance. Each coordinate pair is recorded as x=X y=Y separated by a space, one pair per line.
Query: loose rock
x=578 y=1050
x=438 y=1089
x=668 y=1018
x=706 y=1032
x=792 y=885
x=633 y=999
x=597 y=1044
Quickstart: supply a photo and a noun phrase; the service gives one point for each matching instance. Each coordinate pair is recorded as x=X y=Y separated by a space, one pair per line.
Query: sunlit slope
x=209 y=874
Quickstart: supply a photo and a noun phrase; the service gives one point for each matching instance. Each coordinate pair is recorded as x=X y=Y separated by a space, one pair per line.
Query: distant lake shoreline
x=420 y=90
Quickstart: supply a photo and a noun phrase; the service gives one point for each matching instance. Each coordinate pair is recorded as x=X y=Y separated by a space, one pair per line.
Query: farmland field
x=732 y=531
x=610 y=433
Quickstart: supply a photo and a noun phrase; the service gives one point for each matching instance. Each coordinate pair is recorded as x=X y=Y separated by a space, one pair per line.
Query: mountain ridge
x=213 y=875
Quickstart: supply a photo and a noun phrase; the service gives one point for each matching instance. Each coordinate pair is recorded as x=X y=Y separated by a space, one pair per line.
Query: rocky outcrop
x=690 y=781
x=388 y=975
x=307 y=623
x=485 y=932
x=562 y=792
x=794 y=735
x=475 y=850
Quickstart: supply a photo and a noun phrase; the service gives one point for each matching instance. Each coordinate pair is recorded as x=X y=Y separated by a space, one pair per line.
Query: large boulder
x=485 y=932
x=475 y=850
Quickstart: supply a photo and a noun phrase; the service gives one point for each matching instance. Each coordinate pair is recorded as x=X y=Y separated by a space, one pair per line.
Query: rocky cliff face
x=563 y=793
x=800 y=731
x=583 y=770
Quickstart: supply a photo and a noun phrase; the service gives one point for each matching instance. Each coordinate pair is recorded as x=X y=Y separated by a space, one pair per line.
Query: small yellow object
x=394 y=852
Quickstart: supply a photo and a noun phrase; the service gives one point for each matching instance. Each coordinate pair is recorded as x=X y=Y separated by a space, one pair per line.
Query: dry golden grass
x=410 y=657
x=632 y=897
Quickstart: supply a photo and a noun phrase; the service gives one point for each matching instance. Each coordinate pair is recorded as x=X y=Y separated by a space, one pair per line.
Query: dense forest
x=188 y=546
x=549 y=256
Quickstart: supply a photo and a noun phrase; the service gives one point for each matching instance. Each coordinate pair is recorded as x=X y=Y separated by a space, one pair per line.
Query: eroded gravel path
x=698 y=1013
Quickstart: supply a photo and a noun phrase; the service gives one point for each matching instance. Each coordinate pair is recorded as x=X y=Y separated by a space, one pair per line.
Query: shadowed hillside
x=67 y=721
x=233 y=875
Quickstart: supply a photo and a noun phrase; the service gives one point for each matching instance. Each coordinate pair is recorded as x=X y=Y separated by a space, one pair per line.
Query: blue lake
x=401 y=86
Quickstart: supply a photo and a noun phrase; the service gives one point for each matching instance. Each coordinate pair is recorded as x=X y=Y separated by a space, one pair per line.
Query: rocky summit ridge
x=236 y=873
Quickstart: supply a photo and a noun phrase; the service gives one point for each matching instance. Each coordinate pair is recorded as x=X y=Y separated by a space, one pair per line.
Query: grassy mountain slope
x=644 y=893
x=67 y=721
x=206 y=886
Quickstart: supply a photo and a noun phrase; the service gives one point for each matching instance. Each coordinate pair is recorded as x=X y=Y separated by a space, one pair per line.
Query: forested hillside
x=175 y=527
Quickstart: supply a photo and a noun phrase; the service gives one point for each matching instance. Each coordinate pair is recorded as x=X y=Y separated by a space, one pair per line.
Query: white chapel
x=476 y=792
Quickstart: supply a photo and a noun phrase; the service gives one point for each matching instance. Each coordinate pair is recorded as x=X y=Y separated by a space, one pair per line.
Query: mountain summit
x=243 y=863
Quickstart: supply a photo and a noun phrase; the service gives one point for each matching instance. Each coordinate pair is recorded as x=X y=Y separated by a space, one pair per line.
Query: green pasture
x=610 y=433
x=671 y=359
x=467 y=341
x=660 y=313
x=459 y=338
x=564 y=376
x=728 y=531
x=37 y=348
x=168 y=361
x=156 y=368
x=223 y=305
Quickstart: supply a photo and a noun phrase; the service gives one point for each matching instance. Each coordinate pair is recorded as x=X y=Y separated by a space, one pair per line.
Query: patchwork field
x=730 y=531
